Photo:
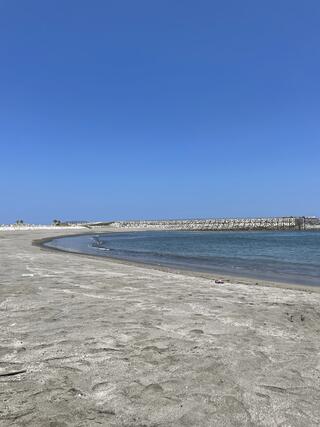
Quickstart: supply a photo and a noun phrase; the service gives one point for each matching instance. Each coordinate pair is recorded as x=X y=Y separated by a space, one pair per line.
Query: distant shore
x=35 y=227
x=214 y=224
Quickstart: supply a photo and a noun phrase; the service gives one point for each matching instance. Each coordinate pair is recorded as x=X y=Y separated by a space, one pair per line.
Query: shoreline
x=229 y=278
x=95 y=341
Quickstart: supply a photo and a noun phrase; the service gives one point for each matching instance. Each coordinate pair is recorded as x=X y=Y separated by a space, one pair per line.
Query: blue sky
x=159 y=109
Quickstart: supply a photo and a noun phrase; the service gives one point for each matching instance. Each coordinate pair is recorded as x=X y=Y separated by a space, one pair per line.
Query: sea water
x=292 y=257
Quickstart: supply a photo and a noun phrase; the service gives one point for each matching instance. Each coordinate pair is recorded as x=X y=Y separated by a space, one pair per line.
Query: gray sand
x=105 y=343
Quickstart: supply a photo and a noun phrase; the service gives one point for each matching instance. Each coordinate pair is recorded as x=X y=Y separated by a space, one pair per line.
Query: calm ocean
x=292 y=257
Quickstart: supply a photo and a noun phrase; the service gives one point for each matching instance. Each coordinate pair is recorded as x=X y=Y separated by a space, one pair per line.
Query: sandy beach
x=90 y=342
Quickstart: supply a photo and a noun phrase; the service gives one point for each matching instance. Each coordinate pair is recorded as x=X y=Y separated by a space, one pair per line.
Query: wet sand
x=88 y=341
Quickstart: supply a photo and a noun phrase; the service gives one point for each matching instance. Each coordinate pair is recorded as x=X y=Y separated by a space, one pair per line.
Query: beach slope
x=88 y=341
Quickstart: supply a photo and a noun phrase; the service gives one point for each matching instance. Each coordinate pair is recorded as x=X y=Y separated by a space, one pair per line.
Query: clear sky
x=159 y=109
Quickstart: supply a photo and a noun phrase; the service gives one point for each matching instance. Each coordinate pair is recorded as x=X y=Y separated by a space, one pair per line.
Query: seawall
x=224 y=224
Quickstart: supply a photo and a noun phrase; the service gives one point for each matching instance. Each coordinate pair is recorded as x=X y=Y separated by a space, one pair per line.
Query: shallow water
x=292 y=257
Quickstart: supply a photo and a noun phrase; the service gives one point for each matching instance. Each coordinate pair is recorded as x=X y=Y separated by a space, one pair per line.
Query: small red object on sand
x=219 y=282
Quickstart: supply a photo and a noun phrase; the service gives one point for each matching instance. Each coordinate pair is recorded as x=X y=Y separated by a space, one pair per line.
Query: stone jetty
x=222 y=224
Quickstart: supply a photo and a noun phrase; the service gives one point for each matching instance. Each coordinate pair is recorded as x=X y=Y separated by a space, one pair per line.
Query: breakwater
x=222 y=224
